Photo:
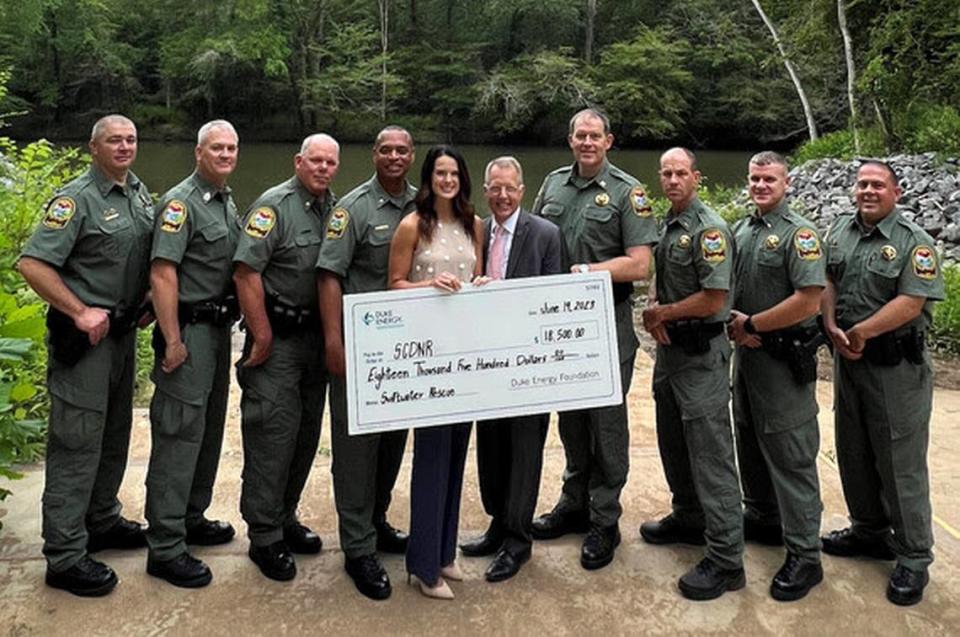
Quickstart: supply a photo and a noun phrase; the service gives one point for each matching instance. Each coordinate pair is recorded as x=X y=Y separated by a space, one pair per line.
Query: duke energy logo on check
x=382 y=319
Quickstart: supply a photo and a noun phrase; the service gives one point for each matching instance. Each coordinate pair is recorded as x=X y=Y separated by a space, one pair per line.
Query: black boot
x=599 y=546
x=708 y=580
x=795 y=579
x=184 y=570
x=86 y=578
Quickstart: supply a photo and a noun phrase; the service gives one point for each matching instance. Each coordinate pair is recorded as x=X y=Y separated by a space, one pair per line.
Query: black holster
x=693 y=336
x=68 y=343
x=287 y=320
x=798 y=349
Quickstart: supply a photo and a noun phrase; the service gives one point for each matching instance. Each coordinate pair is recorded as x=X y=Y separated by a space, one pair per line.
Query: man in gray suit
x=510 y=450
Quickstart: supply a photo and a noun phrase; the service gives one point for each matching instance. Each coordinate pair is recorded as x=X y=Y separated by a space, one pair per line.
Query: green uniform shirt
x=281 y=240
x=358 y=235
x=871 y=268
x=695 y=253
x=599 y=217
x=96 y=234
x=197 y=228
x=777 y=253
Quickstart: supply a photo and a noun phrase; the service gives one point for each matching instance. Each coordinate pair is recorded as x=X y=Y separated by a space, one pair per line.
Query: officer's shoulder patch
x=713 y=245
x=59 y=213
x=337 y=225
x=807 y=244
x=174 y=216
x=924 y=260
x=261 y=222
x=639 y=202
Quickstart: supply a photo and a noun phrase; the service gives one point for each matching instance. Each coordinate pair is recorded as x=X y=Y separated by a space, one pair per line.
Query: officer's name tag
x=418 y=358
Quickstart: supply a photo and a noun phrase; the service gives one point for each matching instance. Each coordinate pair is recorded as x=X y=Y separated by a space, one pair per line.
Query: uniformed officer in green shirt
x=354 y=258
x=691 y=383
x=607 y=224
x=195 y=236
x=281 y=373
x=883 y=276
x=89 y=259
x=780 y=272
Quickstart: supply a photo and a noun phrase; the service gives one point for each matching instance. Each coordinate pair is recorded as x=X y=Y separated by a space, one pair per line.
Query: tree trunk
x=414 y=30
x=591 y=14
x=807 y=111
x=384 y=48
x=851 y=72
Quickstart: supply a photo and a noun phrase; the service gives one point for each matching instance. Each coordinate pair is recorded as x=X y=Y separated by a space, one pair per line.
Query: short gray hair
x=686 y=151
x=106 y=120
x=504 y=161
x=391 y=129
x=309 y=140
x=591 y=112
x=207 y=128
x=769 y=158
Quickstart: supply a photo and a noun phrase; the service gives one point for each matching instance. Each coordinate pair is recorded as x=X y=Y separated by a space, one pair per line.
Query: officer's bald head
x=680 y=151
x=107 y=120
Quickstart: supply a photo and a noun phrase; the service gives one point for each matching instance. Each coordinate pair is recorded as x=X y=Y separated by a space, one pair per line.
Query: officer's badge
x=59 y=213
x=925 y=262
x=772 y=242
x=807 y=244
x=640 y=203
x=337 y=225
x=888 y=252
x=602 y=199
x=714 y=246
x=261 y=222
x=174 y=215
x=684 y=241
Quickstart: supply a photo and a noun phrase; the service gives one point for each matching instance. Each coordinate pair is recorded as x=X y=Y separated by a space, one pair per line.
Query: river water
x=261 y=165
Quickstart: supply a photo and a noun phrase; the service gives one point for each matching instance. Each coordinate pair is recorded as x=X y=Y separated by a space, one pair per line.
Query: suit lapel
x=487 y=225
x=516 y=246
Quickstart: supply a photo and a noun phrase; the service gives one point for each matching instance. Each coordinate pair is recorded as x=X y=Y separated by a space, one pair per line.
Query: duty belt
x=217 y=312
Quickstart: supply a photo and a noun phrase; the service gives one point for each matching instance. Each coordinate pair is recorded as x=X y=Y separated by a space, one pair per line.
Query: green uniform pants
x=364 y=470
x=187 y=416
x=281 y=409
x=91 y=412
x=596 y=442
x=778 y=471
x=696 y=446
x=882 y=433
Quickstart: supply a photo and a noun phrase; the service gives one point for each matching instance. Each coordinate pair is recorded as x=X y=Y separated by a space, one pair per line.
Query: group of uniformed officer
x=285 y=265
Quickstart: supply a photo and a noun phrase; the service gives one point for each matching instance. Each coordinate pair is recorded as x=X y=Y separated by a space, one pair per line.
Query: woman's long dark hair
x=462 y=208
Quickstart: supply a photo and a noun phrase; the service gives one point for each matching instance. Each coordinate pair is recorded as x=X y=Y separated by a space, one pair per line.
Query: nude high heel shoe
x=440 y=590
x=452 y=572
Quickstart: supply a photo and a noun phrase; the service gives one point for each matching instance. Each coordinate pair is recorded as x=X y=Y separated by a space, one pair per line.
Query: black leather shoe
x=795 y=579
x=707 y=580
x=668 y=530
x=184 y=570
x=487 y=544
x=505 y=565
x=906 y=586
x=275 y=561
x=86 y=578
x=599 y=546
x=300 y=539
x=369 y=577
x=766 y=534
x=124 y=534
x=210 y=533
x=847 y=543
x=391 y=540
x=558 y=523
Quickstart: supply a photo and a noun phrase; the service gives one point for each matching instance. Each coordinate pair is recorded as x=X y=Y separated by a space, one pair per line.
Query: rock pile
x=931 y=193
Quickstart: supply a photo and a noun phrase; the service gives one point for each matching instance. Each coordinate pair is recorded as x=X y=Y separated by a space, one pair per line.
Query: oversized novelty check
x=423 y=357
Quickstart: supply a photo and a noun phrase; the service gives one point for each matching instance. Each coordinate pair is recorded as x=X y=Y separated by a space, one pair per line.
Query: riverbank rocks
x=823 y=189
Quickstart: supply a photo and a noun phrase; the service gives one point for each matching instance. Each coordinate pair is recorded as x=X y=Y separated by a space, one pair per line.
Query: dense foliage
x=703 y=72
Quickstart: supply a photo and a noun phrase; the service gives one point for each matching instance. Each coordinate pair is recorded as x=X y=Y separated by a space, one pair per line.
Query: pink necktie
x=495 y=265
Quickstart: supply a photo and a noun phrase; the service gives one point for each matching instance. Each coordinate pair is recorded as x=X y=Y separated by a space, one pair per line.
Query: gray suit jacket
x=537 y=247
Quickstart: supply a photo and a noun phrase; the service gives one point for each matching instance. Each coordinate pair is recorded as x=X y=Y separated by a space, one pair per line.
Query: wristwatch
x=748 y=326
x=583 y=268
